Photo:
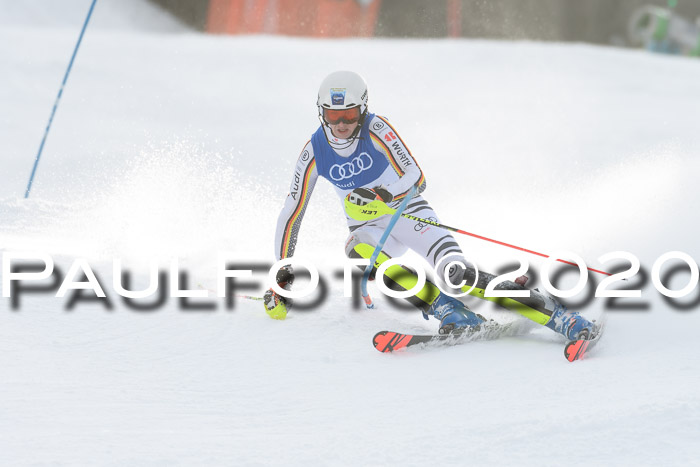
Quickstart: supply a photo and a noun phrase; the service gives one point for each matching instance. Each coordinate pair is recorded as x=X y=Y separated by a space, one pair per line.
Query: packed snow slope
x=176 y=144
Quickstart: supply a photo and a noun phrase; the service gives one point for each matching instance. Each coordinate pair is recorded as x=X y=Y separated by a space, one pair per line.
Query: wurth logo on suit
x=403 y=158
x=389 y=136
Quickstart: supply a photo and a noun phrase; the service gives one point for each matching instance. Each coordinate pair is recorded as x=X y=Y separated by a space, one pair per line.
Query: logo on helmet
x=338 y=96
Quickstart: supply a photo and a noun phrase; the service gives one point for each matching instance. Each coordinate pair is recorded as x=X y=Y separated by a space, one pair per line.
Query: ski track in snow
x=180 y=144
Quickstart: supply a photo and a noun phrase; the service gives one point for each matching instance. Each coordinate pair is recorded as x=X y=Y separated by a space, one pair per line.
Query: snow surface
x=184 y=144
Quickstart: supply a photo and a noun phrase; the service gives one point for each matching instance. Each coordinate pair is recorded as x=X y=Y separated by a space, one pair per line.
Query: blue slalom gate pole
x=58 y=98
x=394 y=218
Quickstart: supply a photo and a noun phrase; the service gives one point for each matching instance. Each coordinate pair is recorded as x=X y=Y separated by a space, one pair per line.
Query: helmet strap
x=360 y=122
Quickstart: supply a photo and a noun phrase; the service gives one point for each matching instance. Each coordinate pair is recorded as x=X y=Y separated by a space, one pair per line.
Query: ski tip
x=387 y=341
x=575 y=350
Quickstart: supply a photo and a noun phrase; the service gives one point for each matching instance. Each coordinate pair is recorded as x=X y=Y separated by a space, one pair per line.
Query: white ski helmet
x=342 y=90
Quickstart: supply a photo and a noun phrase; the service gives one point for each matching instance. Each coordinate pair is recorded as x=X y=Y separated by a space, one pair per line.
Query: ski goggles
x=349 y=116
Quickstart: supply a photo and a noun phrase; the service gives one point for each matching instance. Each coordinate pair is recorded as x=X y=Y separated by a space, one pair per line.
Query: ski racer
x=362 y=155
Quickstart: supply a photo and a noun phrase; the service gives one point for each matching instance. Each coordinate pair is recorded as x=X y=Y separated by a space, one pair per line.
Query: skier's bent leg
x=452 y=313
x=538 y=307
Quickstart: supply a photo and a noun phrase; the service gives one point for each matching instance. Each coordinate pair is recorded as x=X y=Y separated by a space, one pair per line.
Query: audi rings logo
x=356 y=166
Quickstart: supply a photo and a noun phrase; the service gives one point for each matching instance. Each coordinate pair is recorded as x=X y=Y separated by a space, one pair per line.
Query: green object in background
x=661 y=30
x=696 y=51
x=663 y=20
